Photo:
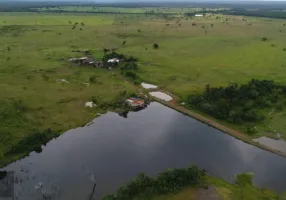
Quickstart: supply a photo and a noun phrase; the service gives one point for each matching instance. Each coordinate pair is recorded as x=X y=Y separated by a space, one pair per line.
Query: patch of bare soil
x=207 y=194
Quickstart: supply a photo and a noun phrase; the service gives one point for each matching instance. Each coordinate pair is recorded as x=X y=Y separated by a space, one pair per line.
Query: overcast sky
x=138 y=1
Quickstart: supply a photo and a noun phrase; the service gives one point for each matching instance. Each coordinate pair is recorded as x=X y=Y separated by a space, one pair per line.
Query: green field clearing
x=34 y=48
x=222 y=190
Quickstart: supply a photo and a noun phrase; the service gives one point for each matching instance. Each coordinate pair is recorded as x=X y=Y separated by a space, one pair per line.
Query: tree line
x=237 y=104
x=166 y=182
x=244 y=12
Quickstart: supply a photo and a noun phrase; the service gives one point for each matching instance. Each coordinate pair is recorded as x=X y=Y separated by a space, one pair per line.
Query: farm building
x=82 y=60
x=113 y=60
x=135 y=102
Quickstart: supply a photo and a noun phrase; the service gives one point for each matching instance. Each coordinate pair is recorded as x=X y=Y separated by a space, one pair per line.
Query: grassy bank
x=191 y=183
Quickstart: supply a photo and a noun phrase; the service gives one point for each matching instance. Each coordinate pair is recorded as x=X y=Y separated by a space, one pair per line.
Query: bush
x=131 y=75
x=264 y=39
x=155 y=46
x=244 y=179
x=94 y=100
x=251 y=130
x=92 y=79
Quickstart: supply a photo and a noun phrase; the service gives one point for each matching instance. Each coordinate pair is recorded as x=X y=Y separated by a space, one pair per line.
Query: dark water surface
x=116 y=149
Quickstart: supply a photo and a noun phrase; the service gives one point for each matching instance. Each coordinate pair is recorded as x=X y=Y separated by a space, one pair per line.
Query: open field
x=193 y=52
x=220 y=190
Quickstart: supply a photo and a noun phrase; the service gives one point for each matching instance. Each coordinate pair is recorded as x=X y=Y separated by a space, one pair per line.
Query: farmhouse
x=135 y=102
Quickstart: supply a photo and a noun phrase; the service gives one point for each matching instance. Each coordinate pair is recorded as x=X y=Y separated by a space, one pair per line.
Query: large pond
x=115 y=149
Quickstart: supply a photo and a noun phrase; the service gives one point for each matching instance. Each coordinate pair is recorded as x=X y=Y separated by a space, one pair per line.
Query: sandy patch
x=208 y=194
x=279 y=145
x=148 y=86
x=161 y=95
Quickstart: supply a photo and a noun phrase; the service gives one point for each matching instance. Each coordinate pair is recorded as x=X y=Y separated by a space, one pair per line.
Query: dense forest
x=238 y=104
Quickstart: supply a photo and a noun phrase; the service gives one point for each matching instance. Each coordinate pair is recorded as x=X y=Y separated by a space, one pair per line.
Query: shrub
x=244 y=179
x=131 y=75
x=251 y=130
x=92 y=79
x=94 y=100
x=155 y=46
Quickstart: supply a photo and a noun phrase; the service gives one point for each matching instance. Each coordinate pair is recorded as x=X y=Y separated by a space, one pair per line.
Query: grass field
x=221 y=190
x=193 y=52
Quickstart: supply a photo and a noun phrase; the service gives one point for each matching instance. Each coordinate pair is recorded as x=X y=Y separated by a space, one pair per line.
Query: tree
x=124 y=42
x=155 y=46
x=264 y=39
x=105 y=50
x=92 y=79
x=139 y=30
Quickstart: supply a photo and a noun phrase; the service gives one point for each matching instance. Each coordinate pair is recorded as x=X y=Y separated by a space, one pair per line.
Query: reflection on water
x=115 y=149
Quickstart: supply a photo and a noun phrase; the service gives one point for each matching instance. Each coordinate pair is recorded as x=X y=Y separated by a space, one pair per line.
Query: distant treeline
x=27 y=9
x=238 y=104
x=258 y=13
x=269 y=13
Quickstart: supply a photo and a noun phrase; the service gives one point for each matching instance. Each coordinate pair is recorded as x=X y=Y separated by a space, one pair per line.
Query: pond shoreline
x=236 y=134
